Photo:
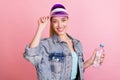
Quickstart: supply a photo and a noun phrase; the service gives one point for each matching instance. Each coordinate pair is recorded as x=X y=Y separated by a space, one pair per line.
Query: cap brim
x=59 y=14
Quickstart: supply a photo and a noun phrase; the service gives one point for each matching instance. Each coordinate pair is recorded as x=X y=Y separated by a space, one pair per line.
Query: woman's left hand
x=92 y=58
x=102 y=58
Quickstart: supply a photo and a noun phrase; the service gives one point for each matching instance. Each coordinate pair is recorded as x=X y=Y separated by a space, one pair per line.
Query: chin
x=61 y=33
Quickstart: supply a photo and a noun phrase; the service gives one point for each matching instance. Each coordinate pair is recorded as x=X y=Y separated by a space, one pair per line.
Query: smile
x=60 y=29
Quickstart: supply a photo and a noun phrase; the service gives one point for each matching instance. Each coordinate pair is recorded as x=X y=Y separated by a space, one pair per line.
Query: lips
x=60 y=29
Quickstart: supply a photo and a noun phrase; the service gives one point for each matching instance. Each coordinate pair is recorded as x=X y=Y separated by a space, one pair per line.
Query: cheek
x=65 y=25
x=55 y=25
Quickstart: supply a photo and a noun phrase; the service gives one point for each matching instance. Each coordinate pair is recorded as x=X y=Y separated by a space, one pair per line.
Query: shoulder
x=46 y=42
x=74 y=39
x=78 y=42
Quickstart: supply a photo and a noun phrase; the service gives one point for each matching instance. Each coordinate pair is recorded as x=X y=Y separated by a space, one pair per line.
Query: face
x=59 y=25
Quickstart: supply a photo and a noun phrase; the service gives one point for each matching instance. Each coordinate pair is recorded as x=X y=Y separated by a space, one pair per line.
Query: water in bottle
x=98 y=55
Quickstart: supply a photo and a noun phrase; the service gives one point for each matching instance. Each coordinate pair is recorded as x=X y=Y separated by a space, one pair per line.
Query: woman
x=59 y=57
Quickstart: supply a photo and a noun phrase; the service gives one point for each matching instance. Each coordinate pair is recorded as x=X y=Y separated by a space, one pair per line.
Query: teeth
x=60 y=29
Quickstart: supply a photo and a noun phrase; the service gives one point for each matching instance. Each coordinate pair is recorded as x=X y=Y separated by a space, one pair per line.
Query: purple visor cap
x=58 y=10
x=59 y=14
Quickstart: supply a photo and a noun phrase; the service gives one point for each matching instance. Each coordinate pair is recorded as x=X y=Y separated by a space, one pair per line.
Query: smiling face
x=59 y=25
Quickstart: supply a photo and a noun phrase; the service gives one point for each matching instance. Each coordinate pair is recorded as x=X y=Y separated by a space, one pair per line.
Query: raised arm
x=42 y=23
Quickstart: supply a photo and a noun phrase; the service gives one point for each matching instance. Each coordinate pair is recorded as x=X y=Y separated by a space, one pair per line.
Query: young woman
x=59 y=57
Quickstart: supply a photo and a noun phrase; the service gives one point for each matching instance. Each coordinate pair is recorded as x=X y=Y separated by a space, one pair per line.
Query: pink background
x=91 y=21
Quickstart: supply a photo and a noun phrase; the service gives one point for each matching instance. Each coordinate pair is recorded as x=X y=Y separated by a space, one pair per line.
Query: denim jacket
x=53 y=60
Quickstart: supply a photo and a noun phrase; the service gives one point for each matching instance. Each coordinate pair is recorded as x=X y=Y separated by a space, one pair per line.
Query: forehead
x=59 y=17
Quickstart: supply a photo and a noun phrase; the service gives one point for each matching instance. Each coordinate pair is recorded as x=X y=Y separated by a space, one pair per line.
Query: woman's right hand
x=42 y=22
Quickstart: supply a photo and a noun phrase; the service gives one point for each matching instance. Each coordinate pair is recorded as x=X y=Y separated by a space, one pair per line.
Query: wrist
x=91 y=61
x=40 y=29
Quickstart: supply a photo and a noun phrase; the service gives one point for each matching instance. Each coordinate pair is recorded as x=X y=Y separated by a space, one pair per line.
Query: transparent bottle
x=98 y=55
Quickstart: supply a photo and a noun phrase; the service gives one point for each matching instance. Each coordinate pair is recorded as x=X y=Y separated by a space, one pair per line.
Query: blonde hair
x=51 y=32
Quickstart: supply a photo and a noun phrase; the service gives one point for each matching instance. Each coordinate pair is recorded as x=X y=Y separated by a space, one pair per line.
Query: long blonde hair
x=51 y=32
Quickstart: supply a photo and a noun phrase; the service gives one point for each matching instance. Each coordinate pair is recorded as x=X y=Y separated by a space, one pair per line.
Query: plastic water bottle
x=98 y=55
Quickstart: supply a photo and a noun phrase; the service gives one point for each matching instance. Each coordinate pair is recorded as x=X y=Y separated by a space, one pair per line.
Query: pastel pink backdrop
x=91 y=21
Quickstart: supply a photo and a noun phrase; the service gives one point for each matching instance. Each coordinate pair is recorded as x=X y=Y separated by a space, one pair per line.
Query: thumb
x=93 y=55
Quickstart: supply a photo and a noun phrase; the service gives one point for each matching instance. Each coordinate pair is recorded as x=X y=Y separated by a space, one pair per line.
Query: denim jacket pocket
x=56 y=60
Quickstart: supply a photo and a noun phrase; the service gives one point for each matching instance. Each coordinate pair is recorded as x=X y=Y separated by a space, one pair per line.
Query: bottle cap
x=101 y=45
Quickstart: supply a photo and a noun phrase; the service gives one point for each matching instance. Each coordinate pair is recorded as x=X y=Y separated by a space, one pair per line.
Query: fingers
x=102 y=58
x=95 y=50
x=103 y=55
x=44 y=19
x=94 y=53
x=47 y=17
x=92 y=58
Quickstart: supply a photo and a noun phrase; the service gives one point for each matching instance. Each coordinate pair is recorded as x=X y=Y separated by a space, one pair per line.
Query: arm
x=33 y=52
x=42 y=22
x=90 y=61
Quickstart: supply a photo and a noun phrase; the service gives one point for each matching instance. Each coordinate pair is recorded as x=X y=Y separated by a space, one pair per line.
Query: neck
x=63 y=37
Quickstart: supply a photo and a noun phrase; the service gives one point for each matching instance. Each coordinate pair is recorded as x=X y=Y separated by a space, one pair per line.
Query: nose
x=59 y=24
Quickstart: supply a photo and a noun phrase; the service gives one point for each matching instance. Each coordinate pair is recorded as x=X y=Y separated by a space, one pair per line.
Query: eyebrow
x=61 y=18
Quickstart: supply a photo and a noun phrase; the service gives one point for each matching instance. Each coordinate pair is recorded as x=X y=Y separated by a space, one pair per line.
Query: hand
x=42 y=22
x=92 y=58
x=102 y=58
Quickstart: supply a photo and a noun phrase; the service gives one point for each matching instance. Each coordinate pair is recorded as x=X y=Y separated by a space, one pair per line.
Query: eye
x=63 y=20
x=54 y=21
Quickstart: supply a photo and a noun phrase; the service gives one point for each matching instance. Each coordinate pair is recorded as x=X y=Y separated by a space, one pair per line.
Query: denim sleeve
x=81 y=50
x=34 y=55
